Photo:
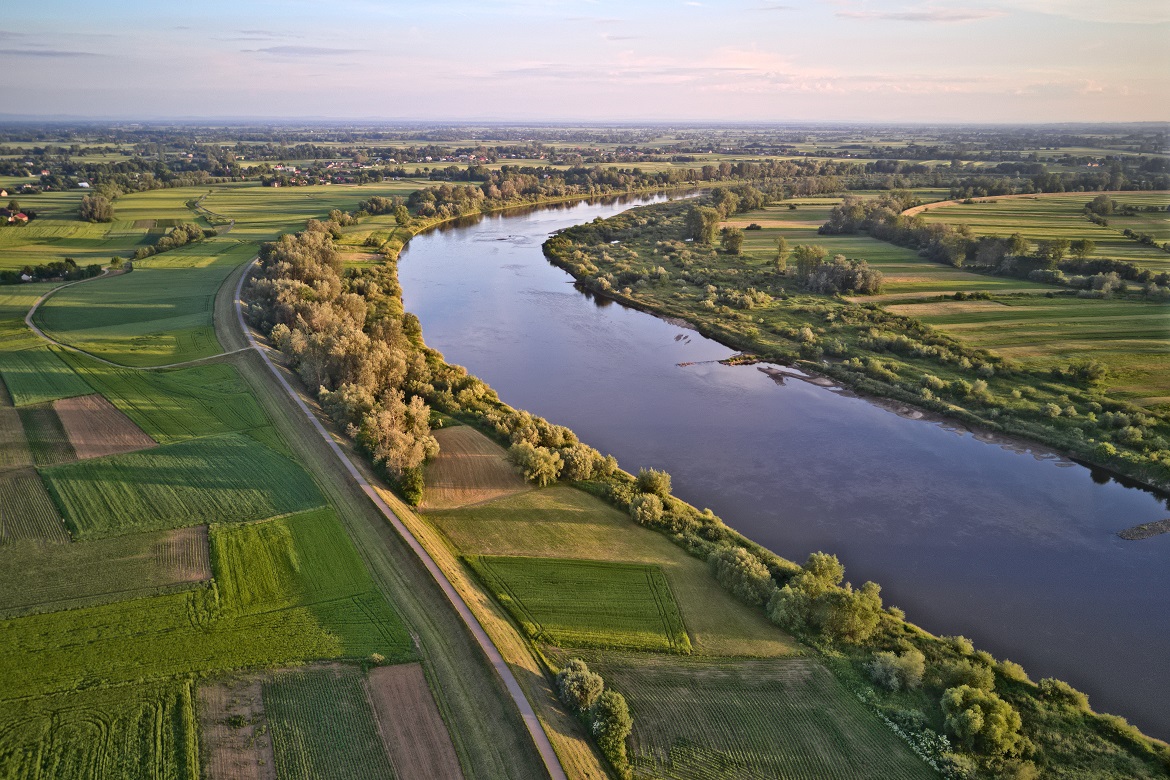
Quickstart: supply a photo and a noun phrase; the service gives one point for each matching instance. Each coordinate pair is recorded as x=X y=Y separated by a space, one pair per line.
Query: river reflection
x=972 y=534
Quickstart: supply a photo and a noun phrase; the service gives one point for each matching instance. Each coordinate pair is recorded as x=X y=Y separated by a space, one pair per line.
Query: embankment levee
x=1118 y=468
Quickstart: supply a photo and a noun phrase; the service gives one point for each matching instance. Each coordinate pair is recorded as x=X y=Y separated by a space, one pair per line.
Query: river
x=1007 y=544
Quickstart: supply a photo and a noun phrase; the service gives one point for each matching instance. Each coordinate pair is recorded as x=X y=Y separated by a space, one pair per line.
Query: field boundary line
x=539 y=737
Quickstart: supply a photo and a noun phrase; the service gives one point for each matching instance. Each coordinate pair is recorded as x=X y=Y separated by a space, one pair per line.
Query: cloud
x=300 y=51
x=46 y=53
x=773 y=7
x=931 y=15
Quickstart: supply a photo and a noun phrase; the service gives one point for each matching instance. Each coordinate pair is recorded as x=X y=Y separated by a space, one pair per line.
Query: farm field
x=1052 y=217
x=226 y=478
x=1131 y=337
x=143 y=731
x=322 y=726
x=560 y=522
x=26 y=511
x=36 y=375
x=45 y=434
x=411 y=726
x=235 y=742
x=468 y=469
x=577 y=603
x=35 y=577
x=95 y=428
x=750 y=718
x=14 y=451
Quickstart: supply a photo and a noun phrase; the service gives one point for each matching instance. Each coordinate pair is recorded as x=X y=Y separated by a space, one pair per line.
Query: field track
x=552 y=764
x=412 y=728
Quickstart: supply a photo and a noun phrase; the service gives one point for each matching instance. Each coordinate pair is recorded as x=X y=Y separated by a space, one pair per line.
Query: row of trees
x=66 y=269
x=603 y=711
x=180 y=235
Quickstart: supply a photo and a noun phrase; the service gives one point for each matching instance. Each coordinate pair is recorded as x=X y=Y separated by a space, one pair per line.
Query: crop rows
x=134 y=731
x=36 y=375
x=578 y=603
x=751 y=718
x=46 y=435
x=26 y=511
x=14 y=452
x=217 y=479
x=323 y=727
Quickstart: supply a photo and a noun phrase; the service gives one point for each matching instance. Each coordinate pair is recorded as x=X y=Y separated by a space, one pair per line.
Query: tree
x=646 y=508
x=13 y=206
x=578 y=687
x=538 y=464
x=896 y=672
x=703 y=224
x=1017 y=245
x=732 y=240
x=653 y=481
x=402 y=216
x=1082 y=248
x=808 y=257
x=743 y=574
x=782 y=252
x=982 y=722
x=611 y=724
x=96 y=209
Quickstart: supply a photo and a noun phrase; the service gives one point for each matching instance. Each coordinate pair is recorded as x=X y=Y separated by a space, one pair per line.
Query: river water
x=1009 y=545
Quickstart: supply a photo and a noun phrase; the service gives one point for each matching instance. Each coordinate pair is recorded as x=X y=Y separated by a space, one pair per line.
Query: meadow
x=749 y=718
x=225 y=478
x=322 y=726
x=576 y=603
x=1049 y=217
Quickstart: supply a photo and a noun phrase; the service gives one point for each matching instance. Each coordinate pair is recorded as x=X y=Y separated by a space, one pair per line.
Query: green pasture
x=563 y=522
x=1052 y=217
x=39 y=577
x=322 y=726
x=750 y=718
x=142 y=731
x=576 y=603
x=1132 y=337
x=228 y=478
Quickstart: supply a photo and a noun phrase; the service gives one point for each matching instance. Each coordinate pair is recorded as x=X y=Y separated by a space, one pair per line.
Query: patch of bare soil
x=96 y=427
x=470 y=468
x=412 y=729
x=236 y=744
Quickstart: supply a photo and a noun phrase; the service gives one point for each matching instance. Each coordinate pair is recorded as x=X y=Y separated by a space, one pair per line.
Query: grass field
x=575 y=603
x=1131 y=337
x=183 y=403
x=35 y=577
x=26 y=511
x=469 y=468
x=157 y=315
x=696 y=719
x=37 y=375
x=131 y=732
x=563 y=522
x=323 y=728
x=216 y=479
x=46 y=436
x=1051 y=217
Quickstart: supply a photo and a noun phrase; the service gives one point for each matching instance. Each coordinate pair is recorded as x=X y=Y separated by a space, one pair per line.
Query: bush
x=539 y=465
x=646 y=508
x=578 y=687
x=895 y=672
x=964 y=672
x=1061 y=693
x=654 y=481
x=982 y=722
x=611 y=724
x=743 y=574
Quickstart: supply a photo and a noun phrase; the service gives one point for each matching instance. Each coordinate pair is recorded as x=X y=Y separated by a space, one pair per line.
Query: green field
x=1131 y=337
x=735 y=718
x=38 y=577
x=216 y=479
x=26 y=511
x=45 y=435
x=323 y=727
x=131 y=732
x=36 y=375
x=1060 y=216
x=575 y=603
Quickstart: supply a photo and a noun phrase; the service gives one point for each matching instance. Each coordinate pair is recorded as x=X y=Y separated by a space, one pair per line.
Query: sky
x=600 y=61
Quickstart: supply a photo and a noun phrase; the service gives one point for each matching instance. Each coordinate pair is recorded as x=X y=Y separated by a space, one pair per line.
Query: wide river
x=1011 y=546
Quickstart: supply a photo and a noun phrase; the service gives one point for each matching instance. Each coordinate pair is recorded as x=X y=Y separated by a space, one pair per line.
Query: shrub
x=743 y=574
x=964 y=672
x=895 y=672
x=1061 y=693
x=578 y=687
x=611 y=724
x=653 y=481
x=982 y=722
x=646 y=508
x=539 y=465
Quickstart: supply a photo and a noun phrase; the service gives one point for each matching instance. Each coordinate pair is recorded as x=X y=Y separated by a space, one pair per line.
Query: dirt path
x=543 y=745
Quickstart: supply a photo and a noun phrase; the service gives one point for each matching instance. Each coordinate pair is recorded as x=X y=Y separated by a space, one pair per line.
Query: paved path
x=543 y=746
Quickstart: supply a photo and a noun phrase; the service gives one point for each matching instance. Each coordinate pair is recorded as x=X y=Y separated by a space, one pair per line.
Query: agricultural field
x=38 y=577
x=144 y=730
x=46 y=436
x=322 y=726
x=562 y=522
x=576 y=603
x=906 y=275
x=234 y=739
x=469 y=468
x=227 y=478
x=412 y=727
x=36 y=375
x=1047 y=217
x=14 y=451
x=95 y=428
x=26 y=511
x=749 y=718
x=1131 y=337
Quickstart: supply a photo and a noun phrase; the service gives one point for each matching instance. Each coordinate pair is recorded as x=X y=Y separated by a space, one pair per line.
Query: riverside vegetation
x=967 y=714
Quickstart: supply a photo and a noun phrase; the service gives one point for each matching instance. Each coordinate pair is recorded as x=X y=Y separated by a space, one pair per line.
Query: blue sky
x=761 y=60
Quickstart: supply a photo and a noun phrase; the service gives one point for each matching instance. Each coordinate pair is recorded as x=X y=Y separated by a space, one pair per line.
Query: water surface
x=1011 y=546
